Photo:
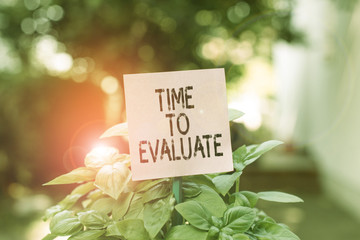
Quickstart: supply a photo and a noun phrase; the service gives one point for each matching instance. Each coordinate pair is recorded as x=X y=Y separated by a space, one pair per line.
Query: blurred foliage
x=55 y=53
x=113 y=37
x=137 y=36
x=345 y=5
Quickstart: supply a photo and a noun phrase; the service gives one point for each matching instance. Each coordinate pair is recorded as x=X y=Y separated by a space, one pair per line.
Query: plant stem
x=237 y=185
x=177 y=189
x=178 y=194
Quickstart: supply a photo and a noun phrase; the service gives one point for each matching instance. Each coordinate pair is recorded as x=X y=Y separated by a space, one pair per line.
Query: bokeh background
x=291 y=66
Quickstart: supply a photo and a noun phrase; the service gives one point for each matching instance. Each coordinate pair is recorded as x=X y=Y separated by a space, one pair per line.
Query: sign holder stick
x=178 y=193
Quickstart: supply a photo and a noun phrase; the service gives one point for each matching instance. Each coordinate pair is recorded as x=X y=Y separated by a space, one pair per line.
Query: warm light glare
x=213 y=49
x=219 y=50
x=46 y=46
x=10 y=60
x=100 y=156
x=114 y=108
x=48 y=54
x=37 y=230
x=250 y=105
x=60 y=62
x=109 y=85
x=101 y=150
x=239 y=52
x=251 y=94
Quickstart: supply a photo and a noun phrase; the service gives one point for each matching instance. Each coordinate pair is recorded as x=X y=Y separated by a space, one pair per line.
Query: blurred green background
x=291 y=67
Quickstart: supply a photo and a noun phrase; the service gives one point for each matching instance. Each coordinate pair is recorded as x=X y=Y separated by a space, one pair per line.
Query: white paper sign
x=178 y=123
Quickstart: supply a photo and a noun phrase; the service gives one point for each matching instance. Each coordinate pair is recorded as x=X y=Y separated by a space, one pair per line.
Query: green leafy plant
x=107 y=204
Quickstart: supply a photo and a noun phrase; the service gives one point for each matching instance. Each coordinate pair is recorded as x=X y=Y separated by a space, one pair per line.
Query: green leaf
x=262 y=216
x=65 y=223
x=191 y=189
x=227 y=231
x=122 y=205
x=273 y=231
x=130 y=229
x=217 y=222
x=136 y=207
x=234 y=114
x=245 y=198
x=158 y=191
x=240 y=236
x=84 y=188
x=213 y=233
x=185 y=232
x=103 y=205
x=106 y=238
x=146 y=185
x=223 y=183
x=49 y=237
x=224 y=236
x=69 y=200
x=131 y=186
x=156 y=214
x=112 y=179
x=51 y=211
x=117 y=130
x=255 y=151
x=195 y=213
x=279 y=197
x=251 y=196
x=93 y=219
x=239 y=199
x=96 y=194
x=239 y=218
x=76 y=194
x=200 y=179
x=244 y=156
x=239 y=157
x=77 y=175
x=101 y=156
x=88 y=234
x=211 y=200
